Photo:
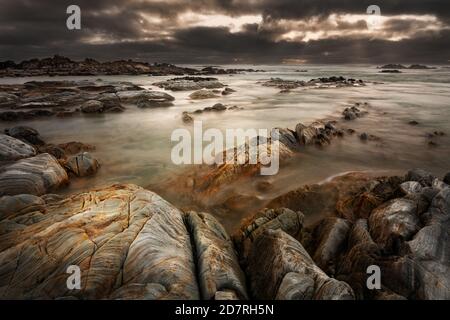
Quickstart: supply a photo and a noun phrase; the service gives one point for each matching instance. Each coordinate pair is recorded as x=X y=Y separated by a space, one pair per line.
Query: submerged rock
x=26 y=134
x=203 y=94
x=190 y=83
x=83 y=165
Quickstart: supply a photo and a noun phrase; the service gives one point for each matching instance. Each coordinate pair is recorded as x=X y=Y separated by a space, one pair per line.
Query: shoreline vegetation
x=131 y=243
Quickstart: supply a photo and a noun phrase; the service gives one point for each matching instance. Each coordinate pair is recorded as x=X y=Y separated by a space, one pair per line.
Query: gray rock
x=92 y=106
x=13 y=206
x=393 y=221
x=152 y=98
x=26 y=134
x=284 y=219
x=13 y=149
x=411 y=187
x=217 y=262
x=289 y=272
x=446 y=179
x=83 y=164
x=423 y=177
x=128 y=242
x=286 y=137
x=36 y=175
x=332 y=235
x=203 y=94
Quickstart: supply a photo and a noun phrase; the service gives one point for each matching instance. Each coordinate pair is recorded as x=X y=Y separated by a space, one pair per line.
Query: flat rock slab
x=36 y=176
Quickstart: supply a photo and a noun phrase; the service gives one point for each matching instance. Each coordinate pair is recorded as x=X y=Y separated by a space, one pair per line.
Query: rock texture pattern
x=37 y=175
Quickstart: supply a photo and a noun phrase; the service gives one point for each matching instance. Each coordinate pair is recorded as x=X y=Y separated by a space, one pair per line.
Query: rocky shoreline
x=131 y=244
x=63 y=66
x=315 y=242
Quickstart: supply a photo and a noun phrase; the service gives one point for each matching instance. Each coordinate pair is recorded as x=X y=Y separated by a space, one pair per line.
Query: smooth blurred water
x=135 y=146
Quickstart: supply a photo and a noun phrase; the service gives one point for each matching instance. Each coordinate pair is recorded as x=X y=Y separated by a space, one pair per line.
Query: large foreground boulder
x=127 y=242
x=36 y=175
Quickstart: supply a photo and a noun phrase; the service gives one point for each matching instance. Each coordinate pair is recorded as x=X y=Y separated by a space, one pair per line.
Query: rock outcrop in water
x=66 y=98
x=189 y=83
x=62 y=66
x=331 y=82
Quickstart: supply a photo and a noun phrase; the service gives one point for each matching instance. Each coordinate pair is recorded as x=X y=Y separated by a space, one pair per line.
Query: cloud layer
x=227 y=31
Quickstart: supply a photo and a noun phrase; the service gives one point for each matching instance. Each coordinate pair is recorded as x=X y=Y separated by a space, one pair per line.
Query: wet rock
x=203 y=94
x=423 y=177
x=331 y=236
x=187 y=118
x=53 y=150
x=447 y=178
x=218 y=107
x=92 y=106
x=289 y=272
x=286 y=137
x=189 y=83
x=147 y=97
x=282 y=218
x=228 y=91
x=75 y=147
x=83 y=165
x=13 y=149
x=14 y=206
x=36 y=176
x=411 y=187
x=26 y=134
x=128 y=243
x=393 y=222
x=217 y=262
x=352 y=113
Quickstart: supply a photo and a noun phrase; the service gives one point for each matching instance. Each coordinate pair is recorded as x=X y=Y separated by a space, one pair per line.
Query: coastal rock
x=203 y=94
x=393 y=222
x=447 y=178
x=187 y=118
x=423 y=177
x=331 y=238
x=127 y=242
x=13 y=149
x=83 y=165
x=189 y=83
x=146 y=98
x=36 y=176
x=18 y=205
x=352 y=113
x=217 y=262
x=289 y=271
x=411 y=187
x=26 y=134
x=92 y=106
x=285 y=219
x=228 y=91
x=286 y=137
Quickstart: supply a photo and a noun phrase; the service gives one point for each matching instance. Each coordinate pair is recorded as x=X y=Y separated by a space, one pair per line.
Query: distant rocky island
x=401 y=66
x=63 y=66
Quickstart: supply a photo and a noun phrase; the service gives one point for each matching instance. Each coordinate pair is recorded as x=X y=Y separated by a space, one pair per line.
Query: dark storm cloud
x=113 y=29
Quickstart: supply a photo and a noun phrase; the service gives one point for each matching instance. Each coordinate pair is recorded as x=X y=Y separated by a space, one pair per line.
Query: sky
x=230 y=31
